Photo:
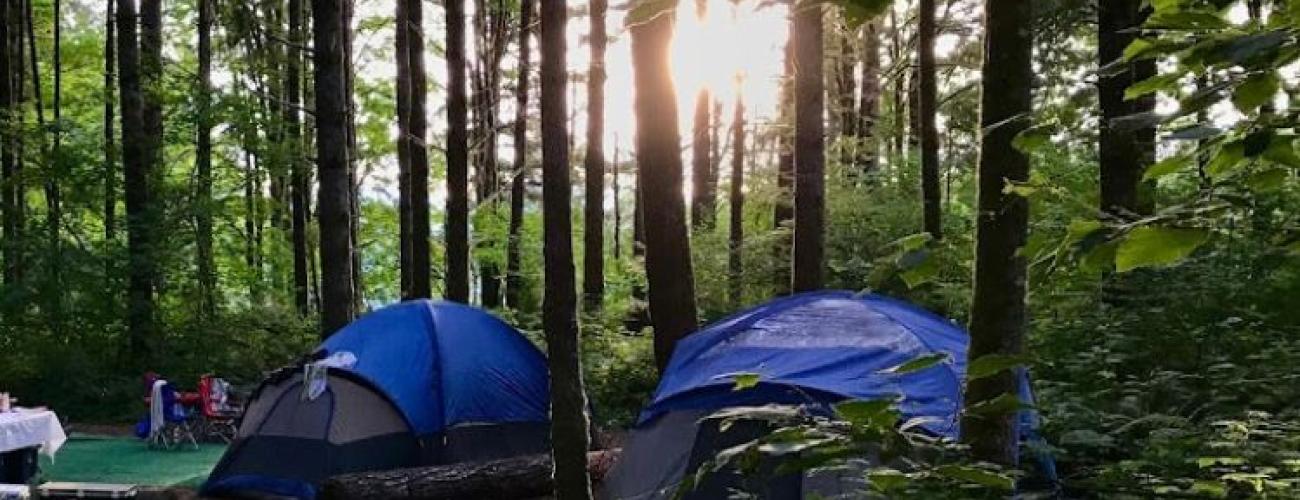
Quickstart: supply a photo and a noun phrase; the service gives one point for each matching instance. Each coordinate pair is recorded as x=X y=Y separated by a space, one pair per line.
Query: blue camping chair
x=175 y=429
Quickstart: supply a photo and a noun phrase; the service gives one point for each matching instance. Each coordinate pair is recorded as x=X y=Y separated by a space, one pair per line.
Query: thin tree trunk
x=667 y=240
x=137 y=169
x=519 y=181
x=54 y=193
x=11 y=184
x=404 y=194
x=1124 y=154
x=203 y=159
x=298 y=170
x=809 y=151
x=593 y=248
x=737 y=233
x=569 y=425
x=899 y=108
x=845 y=59
x=783 y=208
x=927 y=87
x=110 y=136
x=869 y=107
x=354 y=173
x=701 y=151
x=997 y=322
x=457 y=230
x=421 y=285
x=618 y=210
x=332 y=160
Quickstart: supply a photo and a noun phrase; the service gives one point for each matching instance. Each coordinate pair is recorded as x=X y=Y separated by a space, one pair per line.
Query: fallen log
x=512 y=478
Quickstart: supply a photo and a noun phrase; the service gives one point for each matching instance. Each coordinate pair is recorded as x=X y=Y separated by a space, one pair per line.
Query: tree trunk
x=110 y=137
x=869 y=107
x=53 y=191
x=335 y=203
x=403 y=91
x=783 y=208
x=519 y=181
x=457 y=230
x=354 y=172
x=899 y=106
x=203 y=160
x=702 y=215
x=997 y=322
x=737 y=233
x=846 y=106
x=618 y=210
x=1124 y=154
x=10 y=183
x=667 y=241
x=299 y=168
x=927 y=87
x=137 y=170
x=421 y=286
x=809 y=152
x=569 y=425
x=593 y=259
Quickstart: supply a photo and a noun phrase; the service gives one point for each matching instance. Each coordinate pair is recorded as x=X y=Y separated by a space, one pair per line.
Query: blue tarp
x=820 y=348
x=489 y=373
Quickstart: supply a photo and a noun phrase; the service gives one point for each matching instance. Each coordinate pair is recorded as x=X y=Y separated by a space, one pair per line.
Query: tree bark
x=997 y=322
x=809 y=151
x=457 y=230
x=783 y=208
x=569 y=426
x=53 y=191
x=403 y=95
x=593 y=260
x=519 y=181
x=931 y=192
x=1123 y=154
x=667 y=241
x=421 y=285
x=10 y=183
x=702 y=213
x=736 y=238
x=869 y=106
x=137 y=170
x=512 y=478
x=299 y=168
x=206 y=265
x=899 y=105
x=335 y=205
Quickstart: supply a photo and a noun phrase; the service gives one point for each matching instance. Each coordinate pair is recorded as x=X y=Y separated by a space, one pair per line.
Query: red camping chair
x=219 y=413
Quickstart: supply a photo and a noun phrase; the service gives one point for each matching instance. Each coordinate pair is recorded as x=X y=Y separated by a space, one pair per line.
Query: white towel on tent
x=315 y=373
x=157 y=415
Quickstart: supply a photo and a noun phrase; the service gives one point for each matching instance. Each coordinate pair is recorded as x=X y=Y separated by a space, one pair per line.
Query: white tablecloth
x=28 y=428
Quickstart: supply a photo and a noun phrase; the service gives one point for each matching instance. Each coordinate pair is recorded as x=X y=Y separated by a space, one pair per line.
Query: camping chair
x=218 y=413
x=175 y=422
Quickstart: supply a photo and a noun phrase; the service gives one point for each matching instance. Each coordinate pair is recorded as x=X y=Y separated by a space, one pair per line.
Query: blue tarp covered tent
x=416 y=383
x=811 y=349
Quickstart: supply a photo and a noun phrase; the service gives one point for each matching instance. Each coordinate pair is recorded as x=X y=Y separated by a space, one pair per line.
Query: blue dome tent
x=418 y=383
x=813 y=350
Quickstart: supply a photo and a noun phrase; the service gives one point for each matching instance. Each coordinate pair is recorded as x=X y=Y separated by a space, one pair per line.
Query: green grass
x=129 y=461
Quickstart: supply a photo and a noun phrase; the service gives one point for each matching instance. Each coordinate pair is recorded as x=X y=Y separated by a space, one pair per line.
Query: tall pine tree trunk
x=899 y=74
x=783 y=208
x=10 y=191
x=569 y=429
x=1124 y=153
x=809 y=151
x=404 y=193
x=421 y=286
x=593 y=259
x=332 y=159
x=203 y=159
x=53 y=190
x=298 y=170
x=737 y=230
x=519 y=181
x=110 y=121
x=137 y=166
x=457 y=230
x=927 y=87
x=997 y=322
x=701 y=160
x=667 y=241
x=866 y=155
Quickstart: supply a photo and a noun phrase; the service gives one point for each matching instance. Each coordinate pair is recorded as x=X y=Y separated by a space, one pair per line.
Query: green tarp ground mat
x=128 y=461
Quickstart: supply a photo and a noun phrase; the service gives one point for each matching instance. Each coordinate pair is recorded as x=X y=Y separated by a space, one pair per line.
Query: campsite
x=649 y=249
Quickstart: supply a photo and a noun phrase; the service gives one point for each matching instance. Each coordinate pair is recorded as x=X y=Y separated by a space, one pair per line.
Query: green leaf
x=1167 y=166
x=1035 y=137
x=745 y=381
x=643 y=11
x=978 y=476
x=1154 y=246
x=875 y=413
x=1293 y=248
x=1206 y=462
x=1256 y=91
x=1267 y=180
x=1186 y=20
x=858 y=12
x=1165 y=82
x=993 y=364
x=917 y=364
x=887 y=480
x=1282 y=151
x=1213 y=489
x=922 y=272
x=912 y=242
x=1227 y=159
x=1001 y=405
